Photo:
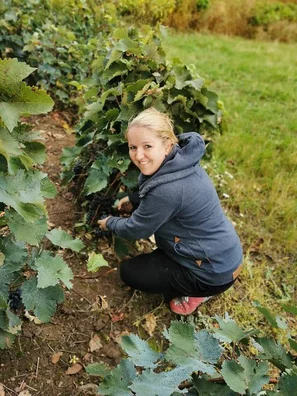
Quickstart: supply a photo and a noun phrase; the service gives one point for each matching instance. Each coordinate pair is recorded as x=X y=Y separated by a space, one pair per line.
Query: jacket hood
x=180 y=162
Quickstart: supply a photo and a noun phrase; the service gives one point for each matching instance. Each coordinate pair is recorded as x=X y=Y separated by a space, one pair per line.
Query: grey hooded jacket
x=180 y=206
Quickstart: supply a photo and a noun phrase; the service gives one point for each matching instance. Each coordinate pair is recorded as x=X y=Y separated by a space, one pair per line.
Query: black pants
x=157 y=273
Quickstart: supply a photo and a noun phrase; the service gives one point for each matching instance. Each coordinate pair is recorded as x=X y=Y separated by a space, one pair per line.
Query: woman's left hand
x=102 y=223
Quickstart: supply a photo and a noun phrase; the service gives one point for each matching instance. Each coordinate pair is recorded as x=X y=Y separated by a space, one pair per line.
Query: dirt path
x=96 y=312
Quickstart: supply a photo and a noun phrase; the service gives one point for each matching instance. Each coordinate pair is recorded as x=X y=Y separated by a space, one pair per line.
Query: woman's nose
x=139 y=154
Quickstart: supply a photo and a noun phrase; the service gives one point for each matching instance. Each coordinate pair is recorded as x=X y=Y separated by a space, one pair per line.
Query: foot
x=186 y=305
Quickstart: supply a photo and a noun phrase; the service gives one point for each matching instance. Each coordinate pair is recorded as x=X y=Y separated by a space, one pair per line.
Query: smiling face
x=147 y=151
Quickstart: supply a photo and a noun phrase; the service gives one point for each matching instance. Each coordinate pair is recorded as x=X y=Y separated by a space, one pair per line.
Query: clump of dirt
x=49 y=359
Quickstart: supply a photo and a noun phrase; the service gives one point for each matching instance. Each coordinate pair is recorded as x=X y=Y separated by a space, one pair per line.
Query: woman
x=198 y=252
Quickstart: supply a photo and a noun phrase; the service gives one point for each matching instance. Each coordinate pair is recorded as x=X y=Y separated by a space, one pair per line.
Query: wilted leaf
x=118 y=318
x=56 y=357
x=150 y=323
x=74 y=369
x=95 y=343
x=100 y=304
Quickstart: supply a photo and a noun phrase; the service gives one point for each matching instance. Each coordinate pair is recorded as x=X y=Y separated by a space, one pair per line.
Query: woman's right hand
x=124 y=205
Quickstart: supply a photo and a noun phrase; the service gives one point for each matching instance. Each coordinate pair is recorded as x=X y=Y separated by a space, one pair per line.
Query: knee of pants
x=126 y=272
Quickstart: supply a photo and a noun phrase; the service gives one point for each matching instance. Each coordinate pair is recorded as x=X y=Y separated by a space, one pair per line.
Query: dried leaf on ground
x=118 y=317
x=100 y=304
x=56 y=357
x=95 y=343
x=24 y=393
x=150 y=323
x=74 y=369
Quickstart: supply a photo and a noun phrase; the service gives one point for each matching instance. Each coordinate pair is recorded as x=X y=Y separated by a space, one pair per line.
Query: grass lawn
x=256 y=159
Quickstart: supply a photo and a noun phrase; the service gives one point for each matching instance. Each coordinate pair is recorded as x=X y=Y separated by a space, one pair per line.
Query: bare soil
x=50 y=359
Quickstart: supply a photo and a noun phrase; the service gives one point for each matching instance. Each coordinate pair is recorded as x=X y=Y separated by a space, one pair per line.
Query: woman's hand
x=124 y=205
x=102 y=223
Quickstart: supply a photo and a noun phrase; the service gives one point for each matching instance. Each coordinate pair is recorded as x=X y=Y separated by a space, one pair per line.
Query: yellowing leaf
x=95 y=262
x=150 y=323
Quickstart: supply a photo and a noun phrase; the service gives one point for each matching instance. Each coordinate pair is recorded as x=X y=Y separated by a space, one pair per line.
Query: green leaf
x=290 y=308
x=119 y=162
x=274 y=320
x=96 y=261
x=61 y=238
x=206 y=388
x=118 y=381
x=36 y=151
x=287 y=384
x=6 y=278
x=293 y=344
x=229 y=330
x=98 y=369
x=12 y=71
x=256 y=375
x=51 y=270
x=16 y=98
x=22 y=192
x=161 y=384
x=23 y=231
x=187 y=350
x=121 y=247
x=48 y=189
x=15 y=253
x=6 y=339
x=43 y=302
x=275 y=353
x=95 y=182
x=234 y=376
x=140 y=352
x=9 y=147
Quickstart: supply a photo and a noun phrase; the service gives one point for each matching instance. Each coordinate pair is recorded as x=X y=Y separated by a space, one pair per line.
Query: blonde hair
x=157 y=122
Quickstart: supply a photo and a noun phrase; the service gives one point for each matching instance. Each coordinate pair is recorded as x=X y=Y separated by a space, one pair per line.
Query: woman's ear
x=168 y=146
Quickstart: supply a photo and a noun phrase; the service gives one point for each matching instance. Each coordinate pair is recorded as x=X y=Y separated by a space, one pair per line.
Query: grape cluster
x=78 y=168
x=99 y=208
x=15 y=299
x=101 y=233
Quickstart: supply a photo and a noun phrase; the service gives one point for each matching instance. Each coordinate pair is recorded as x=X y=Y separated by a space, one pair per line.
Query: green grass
x=257 y=82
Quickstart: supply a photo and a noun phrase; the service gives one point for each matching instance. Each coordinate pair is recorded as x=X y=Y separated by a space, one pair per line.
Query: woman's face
x=147 y=151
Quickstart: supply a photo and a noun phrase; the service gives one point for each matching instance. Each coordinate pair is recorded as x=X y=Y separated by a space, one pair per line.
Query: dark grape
x=15 y=299
x=101 y=233
x=78 y=168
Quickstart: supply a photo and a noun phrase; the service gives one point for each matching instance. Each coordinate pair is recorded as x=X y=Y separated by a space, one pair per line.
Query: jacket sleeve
x=155 y=209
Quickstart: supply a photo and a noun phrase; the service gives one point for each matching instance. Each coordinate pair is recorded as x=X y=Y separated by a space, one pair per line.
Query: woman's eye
x=147 y=146
x=132 y=148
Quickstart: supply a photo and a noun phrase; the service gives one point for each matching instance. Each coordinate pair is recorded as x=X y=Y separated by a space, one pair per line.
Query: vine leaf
x=288 y=383
x=15 y=254
x=42 y=302
x=275 y=353
x=118 y=381
x=6 y=339
x=19 y=98
x=165 y=383
x=234 y=376
x=95 y=182
x=275 y=320
x=60 y=238
x=51 y=270
x=23 y=231
x=96 y=261
x=229 y=330
x=207 y=388
x=246 y=374
x=22 y=192
x=98 y=369
x=140 y=352
x=190 y=350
